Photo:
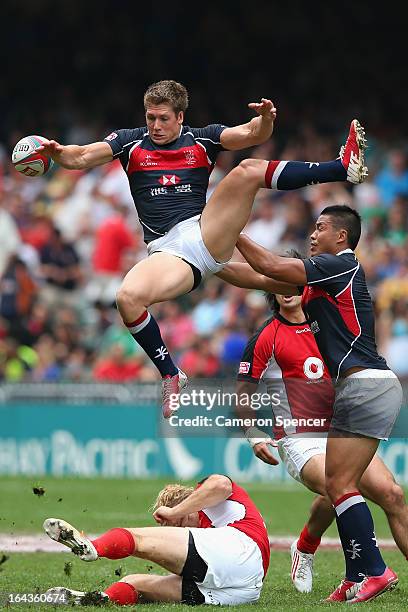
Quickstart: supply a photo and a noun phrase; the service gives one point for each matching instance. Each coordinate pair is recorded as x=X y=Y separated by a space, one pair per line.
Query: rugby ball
x=27 y=160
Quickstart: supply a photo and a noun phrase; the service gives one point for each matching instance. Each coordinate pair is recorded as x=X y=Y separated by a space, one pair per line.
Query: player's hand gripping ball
x=27 y=160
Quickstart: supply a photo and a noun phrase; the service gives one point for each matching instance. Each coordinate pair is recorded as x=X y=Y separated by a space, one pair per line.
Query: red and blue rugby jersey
x=168 y=182
x=340 y=312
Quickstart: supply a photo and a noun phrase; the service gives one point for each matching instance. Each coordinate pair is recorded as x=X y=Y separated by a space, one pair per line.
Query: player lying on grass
x=368 y=395
x=225 y=565
x=284 y=354
x=168 y=165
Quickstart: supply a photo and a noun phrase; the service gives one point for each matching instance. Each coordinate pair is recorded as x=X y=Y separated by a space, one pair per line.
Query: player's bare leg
x=378 y=485
x=321 y=517
x=228 y=209
x=157 y=278
x=166 y=546
x=156 y=588
x=347 y=458
x=132 y=589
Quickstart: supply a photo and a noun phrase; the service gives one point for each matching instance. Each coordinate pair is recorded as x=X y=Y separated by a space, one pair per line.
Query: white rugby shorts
x=235 y=571
x=295 y=452
x=184 y=240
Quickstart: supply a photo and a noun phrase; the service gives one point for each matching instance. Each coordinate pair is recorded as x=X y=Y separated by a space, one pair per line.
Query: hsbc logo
x=169 y=179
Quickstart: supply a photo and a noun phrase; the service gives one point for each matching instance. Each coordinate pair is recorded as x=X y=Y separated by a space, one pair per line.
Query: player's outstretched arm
x=78 y=157
x=255 y=132
x=214 y=490
x=242 y=275
x=287 y=269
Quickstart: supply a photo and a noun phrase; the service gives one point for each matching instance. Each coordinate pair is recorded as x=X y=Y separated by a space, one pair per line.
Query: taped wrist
x=256 y=436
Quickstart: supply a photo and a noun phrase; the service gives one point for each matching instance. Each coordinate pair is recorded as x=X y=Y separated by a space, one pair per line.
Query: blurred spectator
x=116 y=367
x=200 y=360
x=10 y=240
x=112 y=239
x=16 y=361
x=233 y=345
x=17 y=294
x=60 y=269
x=39 y=321
x=268 y=222
x=177 y=327
x=392 y=180
x=116 y=334
x=397 y=222
x=50 y=357
x=394 y=335
x=211 y=311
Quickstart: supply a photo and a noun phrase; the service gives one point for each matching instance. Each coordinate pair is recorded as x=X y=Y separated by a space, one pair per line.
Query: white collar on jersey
x=345 y=251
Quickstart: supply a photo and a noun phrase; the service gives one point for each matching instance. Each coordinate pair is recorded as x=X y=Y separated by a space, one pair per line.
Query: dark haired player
x=213 y=541
x=168 y=166
x=283 y=353
x=368 y=395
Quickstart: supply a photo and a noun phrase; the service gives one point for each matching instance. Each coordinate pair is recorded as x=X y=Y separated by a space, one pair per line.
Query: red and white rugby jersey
x=240 y=512
x=285 y=355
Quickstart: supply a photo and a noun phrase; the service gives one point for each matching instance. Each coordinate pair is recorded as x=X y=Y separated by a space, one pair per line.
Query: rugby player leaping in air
x=168 y=166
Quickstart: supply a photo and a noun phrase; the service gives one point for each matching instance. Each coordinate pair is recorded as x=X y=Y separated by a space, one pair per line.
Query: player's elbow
x=221 y=484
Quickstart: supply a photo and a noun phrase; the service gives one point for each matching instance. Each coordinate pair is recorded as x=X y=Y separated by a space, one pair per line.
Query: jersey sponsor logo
x=158 y=191
x=302 y=331
x=183 y=188
x=244 y=367
x=314 y=327
x=313 y=368
x=169 y=179
x=111 y=136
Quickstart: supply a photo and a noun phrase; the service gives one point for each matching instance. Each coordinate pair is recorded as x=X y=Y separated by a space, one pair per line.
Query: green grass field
x=97 y=505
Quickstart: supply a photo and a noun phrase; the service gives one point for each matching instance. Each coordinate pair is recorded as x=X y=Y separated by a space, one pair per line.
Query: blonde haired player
x=213 y=541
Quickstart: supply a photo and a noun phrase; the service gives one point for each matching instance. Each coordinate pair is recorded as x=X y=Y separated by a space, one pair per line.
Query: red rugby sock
x=122 y=593
x=307 y=543
x=116 y=543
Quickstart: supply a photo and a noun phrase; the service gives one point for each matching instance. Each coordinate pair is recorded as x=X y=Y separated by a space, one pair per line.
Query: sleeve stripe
x=135 y=143
x=208 y=159
x=320 y=280
x=209 y=139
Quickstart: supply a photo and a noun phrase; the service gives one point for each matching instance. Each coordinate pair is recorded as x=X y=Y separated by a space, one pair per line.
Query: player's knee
x=127 y=297
x=252 y=169
x=392 y=497
x=134 y=579
x=335 y=487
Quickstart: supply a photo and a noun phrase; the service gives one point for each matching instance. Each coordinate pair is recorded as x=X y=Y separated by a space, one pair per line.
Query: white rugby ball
x=27 y=160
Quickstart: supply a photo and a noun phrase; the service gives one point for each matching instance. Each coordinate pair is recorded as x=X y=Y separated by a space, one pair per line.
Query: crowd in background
x=68 y=238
